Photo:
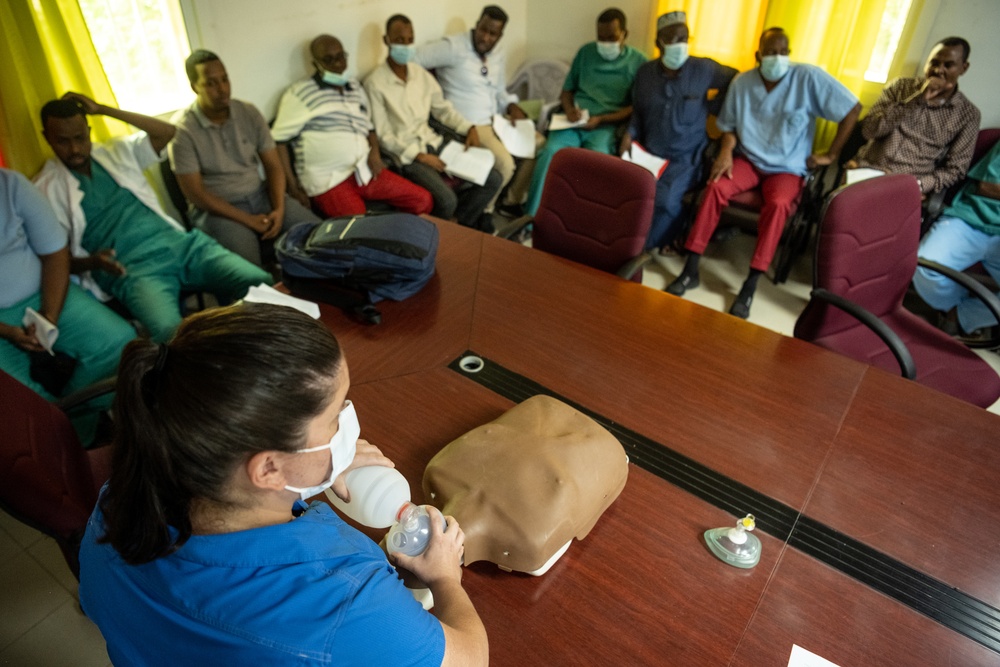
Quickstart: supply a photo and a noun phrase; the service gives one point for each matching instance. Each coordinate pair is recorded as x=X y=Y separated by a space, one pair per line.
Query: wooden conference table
x=875 y=497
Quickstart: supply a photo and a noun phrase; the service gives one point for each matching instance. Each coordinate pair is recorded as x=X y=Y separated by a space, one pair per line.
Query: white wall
x=263 y=44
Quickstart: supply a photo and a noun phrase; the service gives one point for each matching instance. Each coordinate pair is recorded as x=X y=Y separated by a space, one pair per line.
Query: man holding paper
x=403 y=96
x=34 y=272
x=221 y=148
x=472 y=72
x=327 y=119
x=596 y=97
x=672 y=98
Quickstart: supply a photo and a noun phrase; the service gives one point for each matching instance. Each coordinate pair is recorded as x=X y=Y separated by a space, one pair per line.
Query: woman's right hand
x=442 y=560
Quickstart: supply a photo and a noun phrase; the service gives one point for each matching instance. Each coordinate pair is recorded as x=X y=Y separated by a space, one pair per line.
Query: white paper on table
x=640 y=156
x=45 y=331
x=559 y=121
x=266 y=294
x=803 y=658
x=519 y=138
x=472 y=164
x=862 y=174
x=362 y=172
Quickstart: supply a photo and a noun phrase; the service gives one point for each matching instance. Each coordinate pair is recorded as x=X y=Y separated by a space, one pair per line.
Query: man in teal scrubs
x=600 y=83
x=119 y=233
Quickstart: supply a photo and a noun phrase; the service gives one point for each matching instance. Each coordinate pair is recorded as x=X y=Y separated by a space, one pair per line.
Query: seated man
x=403 y=95
x=923 y=125
x=219 y=144
x=600 y=83
x=329 y=117
x=670 y=108
x=968 y=232
x=34 y=270
x=118 y=231
x=770 y=115
x=472 y=72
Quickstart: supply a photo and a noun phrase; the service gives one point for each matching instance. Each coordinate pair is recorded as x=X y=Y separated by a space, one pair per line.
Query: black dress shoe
x=682 y=284
x=741 y=307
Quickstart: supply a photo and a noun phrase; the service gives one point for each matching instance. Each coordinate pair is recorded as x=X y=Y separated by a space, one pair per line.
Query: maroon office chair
x=47 y=480
x=596 y=209
x=865 y=258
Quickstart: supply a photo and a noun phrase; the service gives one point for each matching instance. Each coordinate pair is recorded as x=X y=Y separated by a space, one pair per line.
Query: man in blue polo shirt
x=769 y=119
x=600 y=83
x=671 y=105
x=968 y=232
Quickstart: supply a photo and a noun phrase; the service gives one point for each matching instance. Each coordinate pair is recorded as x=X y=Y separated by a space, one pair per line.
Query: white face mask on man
x=609 y=50
x=342 y=448
x=773 y=68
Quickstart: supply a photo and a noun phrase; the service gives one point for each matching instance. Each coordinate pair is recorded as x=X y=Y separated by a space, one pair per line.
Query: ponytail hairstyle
x=231 y=383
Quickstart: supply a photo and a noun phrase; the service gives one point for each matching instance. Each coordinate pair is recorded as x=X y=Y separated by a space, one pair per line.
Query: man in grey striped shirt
x=327 y=120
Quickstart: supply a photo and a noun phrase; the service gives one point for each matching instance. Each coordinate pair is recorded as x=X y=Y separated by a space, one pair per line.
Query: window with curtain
x=889 y=34
x=142 y=45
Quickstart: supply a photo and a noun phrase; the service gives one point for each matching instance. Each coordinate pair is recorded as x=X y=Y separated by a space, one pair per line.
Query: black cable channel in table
x=924 y=594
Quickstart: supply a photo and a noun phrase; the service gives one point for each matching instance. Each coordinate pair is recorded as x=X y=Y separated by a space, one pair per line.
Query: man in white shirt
x=472 y=72
x=403 y=95
x=327 y=120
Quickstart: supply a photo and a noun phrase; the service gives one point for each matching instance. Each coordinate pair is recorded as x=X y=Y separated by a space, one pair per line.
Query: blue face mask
x=773 y=68
x=674 y=55
x=402 y=53
x=609 y=50
x=333 y=78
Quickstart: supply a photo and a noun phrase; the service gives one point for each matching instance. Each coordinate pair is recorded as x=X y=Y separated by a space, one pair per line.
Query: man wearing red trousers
x=327 y=118
x=768 y=119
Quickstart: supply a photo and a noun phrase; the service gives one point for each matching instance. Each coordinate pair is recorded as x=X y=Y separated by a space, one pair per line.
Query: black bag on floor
x=353 y=262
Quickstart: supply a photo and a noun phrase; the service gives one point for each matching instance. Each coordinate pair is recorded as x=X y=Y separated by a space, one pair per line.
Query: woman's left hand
x=367 y=454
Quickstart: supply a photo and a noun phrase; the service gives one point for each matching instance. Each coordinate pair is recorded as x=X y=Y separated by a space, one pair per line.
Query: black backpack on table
x=353 y=262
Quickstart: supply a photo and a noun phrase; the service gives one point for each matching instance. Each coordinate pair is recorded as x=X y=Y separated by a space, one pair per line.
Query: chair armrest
x=988 y=298
x=507 y=230
x=630 y=267
x=445 y=131
x=391 y=160
x=86 y=394
x=907 y=368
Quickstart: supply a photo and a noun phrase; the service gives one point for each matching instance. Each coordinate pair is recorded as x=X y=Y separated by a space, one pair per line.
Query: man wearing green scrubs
x=121 y=239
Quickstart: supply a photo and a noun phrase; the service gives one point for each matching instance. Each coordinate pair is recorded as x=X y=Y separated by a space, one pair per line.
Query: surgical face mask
x=342 y=448
x=773 y=68
x=333 y=78
x=402 y=53
x=609 y=50
x=674 y=55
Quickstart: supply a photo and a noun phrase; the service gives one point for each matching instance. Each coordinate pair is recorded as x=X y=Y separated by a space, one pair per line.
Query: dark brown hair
x=232 y=382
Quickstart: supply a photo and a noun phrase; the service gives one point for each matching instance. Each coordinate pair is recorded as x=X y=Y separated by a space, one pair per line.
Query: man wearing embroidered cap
x=768 y=119
x=672 y=98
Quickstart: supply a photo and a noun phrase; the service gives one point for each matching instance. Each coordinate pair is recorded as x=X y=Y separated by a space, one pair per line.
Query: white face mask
x=675 y=55
x=342 y=448
x=333 y=78
x=773 y=68
x=609 y=50
x=402 y=53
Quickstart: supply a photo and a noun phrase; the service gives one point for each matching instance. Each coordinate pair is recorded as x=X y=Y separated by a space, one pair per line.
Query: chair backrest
x=867 y=246
x=174 y=193
x=596 y=209
x=46 y=478
x=985 y=140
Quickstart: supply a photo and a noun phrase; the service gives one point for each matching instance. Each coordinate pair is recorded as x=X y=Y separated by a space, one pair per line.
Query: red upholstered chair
x=47 y=480
x=865 y=258
x=596 y=209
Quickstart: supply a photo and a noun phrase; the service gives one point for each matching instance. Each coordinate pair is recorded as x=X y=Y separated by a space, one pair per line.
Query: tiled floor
x=40 y=620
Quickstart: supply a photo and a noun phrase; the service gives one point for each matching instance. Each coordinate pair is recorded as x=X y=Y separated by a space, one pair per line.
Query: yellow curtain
x=46 y=50
x=725 y=30
x=837 y=35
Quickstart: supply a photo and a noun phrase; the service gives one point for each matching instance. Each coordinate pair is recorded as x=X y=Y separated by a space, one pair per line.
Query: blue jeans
x=957 y=245
x=600 y=139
